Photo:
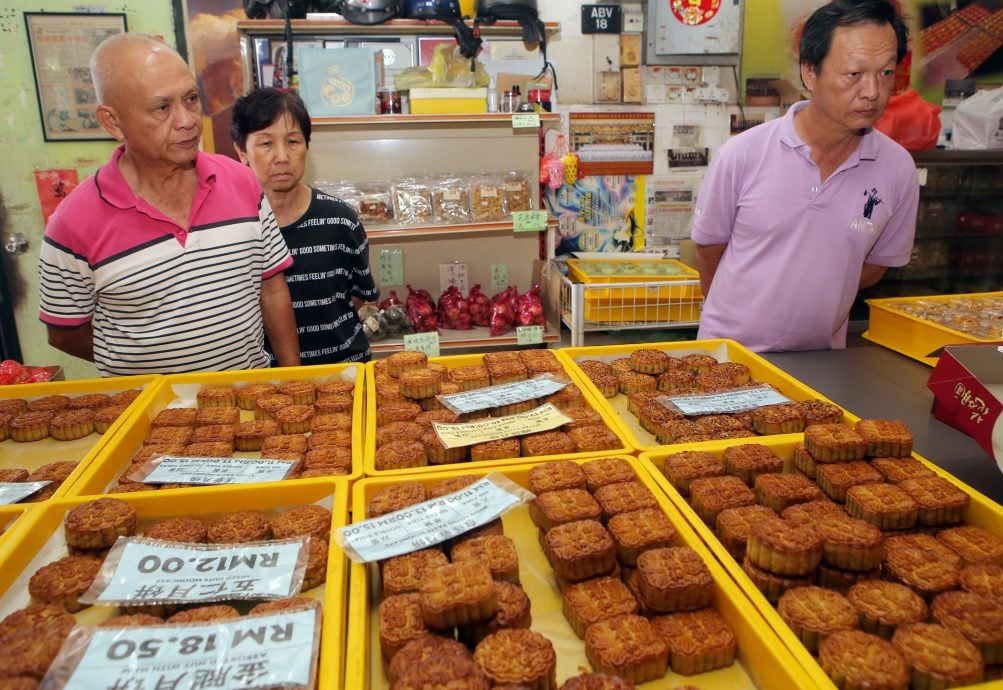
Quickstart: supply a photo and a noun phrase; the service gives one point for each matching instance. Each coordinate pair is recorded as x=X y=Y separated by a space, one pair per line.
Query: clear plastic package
x=412 y=202
x=487 y=196
x=517 y=194
x=369 y=200
x=450 y=201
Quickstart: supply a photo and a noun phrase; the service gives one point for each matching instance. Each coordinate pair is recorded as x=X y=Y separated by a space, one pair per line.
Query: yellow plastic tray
x=9 y=515
x=85 y=450
x=452 y=362
x=982 y=512
x=723 y=350
x=116 y=456
x=762 y=660
x=910 y=335
x=37 y=539
x=660 y=301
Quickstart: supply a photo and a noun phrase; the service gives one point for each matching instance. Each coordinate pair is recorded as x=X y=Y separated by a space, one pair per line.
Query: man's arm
x=870 y=275
x=77 y=340
x=708 y=257
x=280 y=321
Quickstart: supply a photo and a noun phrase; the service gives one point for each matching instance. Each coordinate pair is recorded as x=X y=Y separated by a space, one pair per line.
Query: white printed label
x=502 y=394
x=147 y=571
x=252 y=652
x=12 y=492
x=542 y=418
x=173 y=469
x=740 y=400
x=429 y=523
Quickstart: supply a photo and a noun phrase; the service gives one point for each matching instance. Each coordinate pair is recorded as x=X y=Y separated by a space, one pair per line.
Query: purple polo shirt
x=796 y=246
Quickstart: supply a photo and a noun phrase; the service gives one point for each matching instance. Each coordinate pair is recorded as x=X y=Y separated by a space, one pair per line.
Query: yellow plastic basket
x=663 y=297
x=982 y=512
x=9 y=515
x=723 y=350
x=37 y=539
x=452 y=362
x=762 y=660
x=83 y=451
x=182 y=388
x=912 y=336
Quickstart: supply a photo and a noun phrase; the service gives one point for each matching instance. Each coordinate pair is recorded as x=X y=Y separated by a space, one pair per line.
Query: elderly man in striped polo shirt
x=168 y=259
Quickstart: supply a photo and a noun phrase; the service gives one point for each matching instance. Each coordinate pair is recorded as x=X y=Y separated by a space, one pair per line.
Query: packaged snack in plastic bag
x=530 y=309
x=412 y=202
x=480 y=307
x=450 y=201
x=517 y=193
x=454 y=310
x=503 y=308
x=420 y=310
x=486 y=199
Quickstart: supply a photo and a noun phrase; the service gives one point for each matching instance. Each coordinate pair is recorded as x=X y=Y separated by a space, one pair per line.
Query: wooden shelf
x=408 y=120
x=376 y=232
x=394 y=27
x=477 y=337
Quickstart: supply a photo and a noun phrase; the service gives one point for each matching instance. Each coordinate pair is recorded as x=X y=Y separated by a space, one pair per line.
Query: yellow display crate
x=179 y=390
x=658 y=299
x=438 y=101
x=913 y=336
x=452 y=362
x=983 y=512
x=83 y=451
x=9 y=515
x=762 y=661
x=723 y=350
x=37 y=539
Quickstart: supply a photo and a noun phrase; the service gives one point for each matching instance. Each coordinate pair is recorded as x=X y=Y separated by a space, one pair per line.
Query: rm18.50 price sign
x=277 y=650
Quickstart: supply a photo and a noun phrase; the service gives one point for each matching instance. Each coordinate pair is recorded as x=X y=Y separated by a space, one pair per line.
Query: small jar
x=509 y=102
x=390 y=101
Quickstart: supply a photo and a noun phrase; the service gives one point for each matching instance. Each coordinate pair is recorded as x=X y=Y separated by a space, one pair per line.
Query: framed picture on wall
x=61 y=44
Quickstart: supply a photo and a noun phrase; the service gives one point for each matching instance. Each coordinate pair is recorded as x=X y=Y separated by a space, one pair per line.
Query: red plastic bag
x=503 y=308
x=420 y=310
x=454 y=310
x=480 y=307
x=530 y=310
x=391 y=300
x=911 y=121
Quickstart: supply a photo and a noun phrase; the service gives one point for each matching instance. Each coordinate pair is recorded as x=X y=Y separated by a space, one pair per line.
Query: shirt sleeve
x=717 y=200
x=66 y=281
x=894 y=246
x=276 y=254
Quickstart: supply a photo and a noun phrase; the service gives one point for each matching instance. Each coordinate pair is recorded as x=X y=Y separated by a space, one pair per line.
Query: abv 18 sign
x=602 y=19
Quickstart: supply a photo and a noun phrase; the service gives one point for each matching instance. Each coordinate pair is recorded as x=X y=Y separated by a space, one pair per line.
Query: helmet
x=369 y=11
x=444 y=10
x=522 y=11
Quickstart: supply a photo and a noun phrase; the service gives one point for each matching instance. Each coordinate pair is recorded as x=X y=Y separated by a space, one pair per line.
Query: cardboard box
x=632 y=90
x=630 y=50
x=967 y=385
x=438 y=101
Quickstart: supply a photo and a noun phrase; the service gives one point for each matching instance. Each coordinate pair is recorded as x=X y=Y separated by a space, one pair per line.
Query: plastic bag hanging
x=552 y=165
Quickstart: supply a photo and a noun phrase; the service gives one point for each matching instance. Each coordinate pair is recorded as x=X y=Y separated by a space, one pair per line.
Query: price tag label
x=390 y=265
x=454 y=273
x=526 y=120
x=278 y=650
x=173 y=469
x=542 y=418
x=529 y=335
x=529 y=221
x=740 y=400
x=148 y=571
x=423 y=342
x=499 y=276
x=502 y=394
x=429 y=523
x=12 y=492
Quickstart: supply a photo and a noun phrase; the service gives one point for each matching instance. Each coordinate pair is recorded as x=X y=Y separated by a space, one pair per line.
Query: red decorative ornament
x=695 y=12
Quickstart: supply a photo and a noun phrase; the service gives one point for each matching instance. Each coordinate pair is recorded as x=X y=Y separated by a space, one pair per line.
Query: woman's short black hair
x=816 y=38
x=261 y=108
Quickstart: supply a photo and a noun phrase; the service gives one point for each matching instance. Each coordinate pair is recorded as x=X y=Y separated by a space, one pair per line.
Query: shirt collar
x=116 y=191
x=867 y=150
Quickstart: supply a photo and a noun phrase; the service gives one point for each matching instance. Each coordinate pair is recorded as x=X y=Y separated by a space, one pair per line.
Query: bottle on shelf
x=492 y=97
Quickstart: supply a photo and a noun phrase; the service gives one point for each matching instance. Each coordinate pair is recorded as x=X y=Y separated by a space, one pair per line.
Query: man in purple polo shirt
x=798 y=214
x=167 y=259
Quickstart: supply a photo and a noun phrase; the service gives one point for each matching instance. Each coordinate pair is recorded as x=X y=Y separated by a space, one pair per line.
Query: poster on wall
x=598 y=214
x=61 y=44
x=53 y=186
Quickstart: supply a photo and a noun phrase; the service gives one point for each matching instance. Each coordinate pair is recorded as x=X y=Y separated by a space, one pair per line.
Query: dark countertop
x=871 y=381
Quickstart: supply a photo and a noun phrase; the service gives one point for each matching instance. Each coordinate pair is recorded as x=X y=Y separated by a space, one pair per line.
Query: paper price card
x=526 y=120
x=529 y=335
x=149 y=571
x=171 y=469
x=740 y=400
x=543 y=418
x=390 y=266
x=499 y=276
x=12 y=492
x=454 y=273
x=267 y=651
x=429 y=523
x=423 y=342
x=502 y=394
x=529 y=221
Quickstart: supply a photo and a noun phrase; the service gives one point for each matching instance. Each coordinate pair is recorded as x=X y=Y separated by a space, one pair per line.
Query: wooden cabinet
x=392 y=147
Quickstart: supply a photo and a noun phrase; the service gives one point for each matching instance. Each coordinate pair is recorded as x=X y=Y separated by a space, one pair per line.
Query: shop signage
x=602 y=19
